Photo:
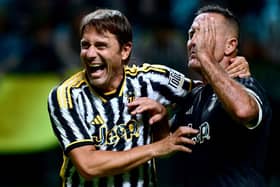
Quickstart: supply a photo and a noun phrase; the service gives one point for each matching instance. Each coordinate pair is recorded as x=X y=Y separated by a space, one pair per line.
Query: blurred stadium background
x=39 y=46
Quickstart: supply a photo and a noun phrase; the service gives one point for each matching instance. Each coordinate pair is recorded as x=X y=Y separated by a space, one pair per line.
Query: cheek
x=218 y=56
x=219 y=52
x=115 y=66
x=188 y=46
x=82 y=54
x=83 y=58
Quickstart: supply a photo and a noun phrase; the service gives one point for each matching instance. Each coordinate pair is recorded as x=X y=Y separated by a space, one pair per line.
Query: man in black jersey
x=105 y=141
x=232 y=115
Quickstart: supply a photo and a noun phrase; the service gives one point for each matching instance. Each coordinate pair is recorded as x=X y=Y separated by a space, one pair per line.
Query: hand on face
x=202 y=40
x=205 y=36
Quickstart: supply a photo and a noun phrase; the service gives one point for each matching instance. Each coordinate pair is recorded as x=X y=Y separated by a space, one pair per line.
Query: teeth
x=95 y=65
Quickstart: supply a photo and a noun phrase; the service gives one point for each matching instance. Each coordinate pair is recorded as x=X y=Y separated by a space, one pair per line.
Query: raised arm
x=234 y=97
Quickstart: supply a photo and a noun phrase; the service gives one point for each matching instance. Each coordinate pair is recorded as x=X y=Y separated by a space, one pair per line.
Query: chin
x=98 y=83
x=194 y=64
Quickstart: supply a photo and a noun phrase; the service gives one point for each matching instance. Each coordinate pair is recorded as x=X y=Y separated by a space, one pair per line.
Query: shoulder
x=146 y=68
x=74 y=81
x=62 y=93
x=250 y=82
x=255 y=89
x=155 y=72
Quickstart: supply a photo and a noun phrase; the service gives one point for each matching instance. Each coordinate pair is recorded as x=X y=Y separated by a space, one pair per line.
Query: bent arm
x=234 y=96
x=97 y=163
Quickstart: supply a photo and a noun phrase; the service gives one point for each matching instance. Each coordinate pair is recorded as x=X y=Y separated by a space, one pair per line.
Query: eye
x=84 y=45
x=191 y=33
x=100 y=45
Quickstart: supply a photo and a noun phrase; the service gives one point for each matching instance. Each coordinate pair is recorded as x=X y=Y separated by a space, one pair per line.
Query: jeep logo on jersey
x=125 y=132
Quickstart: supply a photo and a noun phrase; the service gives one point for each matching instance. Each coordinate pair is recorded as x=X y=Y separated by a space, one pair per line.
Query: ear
x=231 y=46
x=126 y=50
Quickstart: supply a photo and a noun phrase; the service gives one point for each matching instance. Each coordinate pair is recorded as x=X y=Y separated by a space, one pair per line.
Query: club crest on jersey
x=130 y=96
x=175 y=79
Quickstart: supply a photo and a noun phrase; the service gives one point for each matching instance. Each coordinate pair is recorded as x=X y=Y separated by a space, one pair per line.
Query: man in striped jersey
x=105 y=142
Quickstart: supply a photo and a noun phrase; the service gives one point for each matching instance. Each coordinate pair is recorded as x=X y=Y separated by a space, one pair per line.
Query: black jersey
x=82 y=116
x=226 y=153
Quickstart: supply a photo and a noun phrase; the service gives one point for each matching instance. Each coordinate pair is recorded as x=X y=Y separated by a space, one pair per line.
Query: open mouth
x=192 y=54
x=96 y=67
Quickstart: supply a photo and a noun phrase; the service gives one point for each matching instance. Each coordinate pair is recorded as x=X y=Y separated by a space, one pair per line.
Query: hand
x=176 y=141
x=156 y=110
x=238 y=67
x=205 y=37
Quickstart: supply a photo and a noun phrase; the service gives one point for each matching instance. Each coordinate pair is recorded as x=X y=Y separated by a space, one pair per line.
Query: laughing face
x=103 y=58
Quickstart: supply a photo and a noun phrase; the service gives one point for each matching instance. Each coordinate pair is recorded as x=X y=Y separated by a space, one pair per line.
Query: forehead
x=216 y=16
x=89 y=28
x=90 y=33
x=93 y=31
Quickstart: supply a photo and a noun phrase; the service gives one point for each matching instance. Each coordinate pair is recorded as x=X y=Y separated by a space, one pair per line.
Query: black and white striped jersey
x=82 y=116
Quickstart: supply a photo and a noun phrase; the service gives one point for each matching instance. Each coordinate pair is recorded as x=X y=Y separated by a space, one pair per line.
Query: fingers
x=205 y=37
x=177 y=141
x=181 y=140
x=185 y=131
x=143 y=104
x=140 y=101
x=238 y=62
x=138 y=106
x=155 y=118
x=206 y=24
x=238 y=67
x=241 y=74
x=184 y=149
x=237 y=72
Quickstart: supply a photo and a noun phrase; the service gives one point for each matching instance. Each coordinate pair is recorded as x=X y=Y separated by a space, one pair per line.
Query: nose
x=91 y=51
x=190 y=44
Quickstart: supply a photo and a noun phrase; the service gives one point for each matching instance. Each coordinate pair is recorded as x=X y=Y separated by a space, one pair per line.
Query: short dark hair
x=230 y=17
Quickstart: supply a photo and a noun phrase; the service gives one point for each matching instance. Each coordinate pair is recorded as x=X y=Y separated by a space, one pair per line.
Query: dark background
x=40 y=39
